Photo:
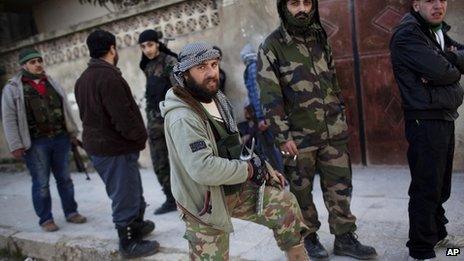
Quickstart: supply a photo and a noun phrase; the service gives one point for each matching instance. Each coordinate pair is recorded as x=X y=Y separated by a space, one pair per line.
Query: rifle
x=78 y=159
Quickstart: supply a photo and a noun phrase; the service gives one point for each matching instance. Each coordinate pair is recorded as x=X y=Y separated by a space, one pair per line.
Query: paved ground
x=379 y=202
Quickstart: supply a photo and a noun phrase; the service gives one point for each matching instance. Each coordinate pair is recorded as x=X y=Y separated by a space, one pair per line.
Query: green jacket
x=300 y=92
x=195 y=165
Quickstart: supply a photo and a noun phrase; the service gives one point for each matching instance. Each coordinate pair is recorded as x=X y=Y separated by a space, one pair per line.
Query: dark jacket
x=428 y=77
x=112 y=123
x=159 y=79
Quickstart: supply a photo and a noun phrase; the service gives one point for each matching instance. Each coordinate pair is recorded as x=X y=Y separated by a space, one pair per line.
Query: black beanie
x=99 y=43
x=149 y=35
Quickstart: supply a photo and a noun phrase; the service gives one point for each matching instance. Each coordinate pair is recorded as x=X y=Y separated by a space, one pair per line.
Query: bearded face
x=203 y=80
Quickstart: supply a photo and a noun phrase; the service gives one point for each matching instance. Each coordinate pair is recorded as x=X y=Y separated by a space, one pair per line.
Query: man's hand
x=75 y=141
x=290 y=148
x=452 y=48
x=19 y=153
x=262 y=125
x=277 y=178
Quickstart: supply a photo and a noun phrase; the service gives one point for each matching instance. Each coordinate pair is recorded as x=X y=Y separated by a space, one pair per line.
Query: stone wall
x=66 y=54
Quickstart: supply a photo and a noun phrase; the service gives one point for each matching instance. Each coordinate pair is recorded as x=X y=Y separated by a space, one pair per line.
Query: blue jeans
x=123 y=185
x=45 y=155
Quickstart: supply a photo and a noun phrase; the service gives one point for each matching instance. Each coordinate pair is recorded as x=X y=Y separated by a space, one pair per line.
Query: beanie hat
x=28 y=54
x=150 y=35
x=99 y=43
x=191 y=55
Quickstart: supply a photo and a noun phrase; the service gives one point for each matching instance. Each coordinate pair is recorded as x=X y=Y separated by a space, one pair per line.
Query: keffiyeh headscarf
x=191 y=55
x=194 y=54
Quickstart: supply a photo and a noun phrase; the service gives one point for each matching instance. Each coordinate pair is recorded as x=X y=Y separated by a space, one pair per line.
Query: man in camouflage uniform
x=210 y=181
x=304 y=107
x=39 y=128
x=156 y=63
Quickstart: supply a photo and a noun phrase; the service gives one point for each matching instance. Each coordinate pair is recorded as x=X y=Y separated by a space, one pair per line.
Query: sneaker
x=314 y=247
x=167 y=206
x=428 y=259
x=49 y=226
x=451 y=241
x=76 y=219
x=348 y=245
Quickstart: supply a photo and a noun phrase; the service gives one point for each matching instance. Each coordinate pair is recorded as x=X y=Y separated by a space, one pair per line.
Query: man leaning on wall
x=39 y=128
x=428 y=65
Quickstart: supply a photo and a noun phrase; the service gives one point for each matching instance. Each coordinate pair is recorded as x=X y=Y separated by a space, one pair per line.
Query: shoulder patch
x=198 y=145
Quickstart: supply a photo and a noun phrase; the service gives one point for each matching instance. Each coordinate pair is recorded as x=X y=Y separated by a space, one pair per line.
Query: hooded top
x=299 y=89
x=193 y=157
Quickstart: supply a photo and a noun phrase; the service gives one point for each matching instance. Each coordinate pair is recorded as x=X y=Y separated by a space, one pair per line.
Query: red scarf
x=40 y=87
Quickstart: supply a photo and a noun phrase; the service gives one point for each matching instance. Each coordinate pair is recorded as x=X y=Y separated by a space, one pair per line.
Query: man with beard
x=210 y=180
x=428 y=65
x=39 y=127
x=113 y=136
x=157 y=63
x=304 y=107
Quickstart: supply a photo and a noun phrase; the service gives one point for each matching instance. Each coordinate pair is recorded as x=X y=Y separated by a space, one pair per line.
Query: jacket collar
x=287 y=38
x=94 y=62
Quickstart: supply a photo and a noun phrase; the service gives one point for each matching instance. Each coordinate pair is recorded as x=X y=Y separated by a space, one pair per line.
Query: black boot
x=131 y=244
x=145 y=226
x=348 y=245
x=168 y=206
x=314 y=248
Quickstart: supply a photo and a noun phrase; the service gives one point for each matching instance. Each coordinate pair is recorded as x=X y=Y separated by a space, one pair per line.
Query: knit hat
x=191 y=55
x=28 y=54
x=99 y=43
x=150 y=35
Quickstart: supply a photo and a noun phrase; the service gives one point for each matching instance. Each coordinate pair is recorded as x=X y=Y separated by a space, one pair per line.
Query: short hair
x=99 y=43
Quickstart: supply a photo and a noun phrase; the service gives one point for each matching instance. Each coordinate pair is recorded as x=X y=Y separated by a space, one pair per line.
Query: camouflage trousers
x=281 y=214
x=159 y=151
x=334 y=168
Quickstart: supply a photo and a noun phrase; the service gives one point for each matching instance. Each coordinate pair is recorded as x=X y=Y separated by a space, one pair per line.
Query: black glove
x=260 y=172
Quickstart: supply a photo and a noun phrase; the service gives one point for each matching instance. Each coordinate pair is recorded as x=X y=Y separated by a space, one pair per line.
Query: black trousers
x=430 y=157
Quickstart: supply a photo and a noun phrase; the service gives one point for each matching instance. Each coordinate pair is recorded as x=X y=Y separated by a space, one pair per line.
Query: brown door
x=359 y=32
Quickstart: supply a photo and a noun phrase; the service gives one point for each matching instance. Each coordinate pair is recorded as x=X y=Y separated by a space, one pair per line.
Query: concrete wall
x=54 y=15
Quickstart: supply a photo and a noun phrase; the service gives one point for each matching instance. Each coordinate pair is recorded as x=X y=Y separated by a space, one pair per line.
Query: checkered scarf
x=194 y=54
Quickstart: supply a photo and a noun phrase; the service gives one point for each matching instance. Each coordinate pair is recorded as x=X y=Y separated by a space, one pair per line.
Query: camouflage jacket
x=299 y=91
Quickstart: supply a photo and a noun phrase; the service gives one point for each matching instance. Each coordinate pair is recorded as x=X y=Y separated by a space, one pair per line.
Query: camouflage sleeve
x=271 y=95
x=335 y=85
x=170 y=62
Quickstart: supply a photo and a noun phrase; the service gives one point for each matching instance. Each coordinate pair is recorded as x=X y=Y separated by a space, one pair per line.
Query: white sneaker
x=451 y=241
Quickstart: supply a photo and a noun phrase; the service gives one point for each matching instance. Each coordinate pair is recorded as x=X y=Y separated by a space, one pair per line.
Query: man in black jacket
x=428 y=65
x=113 y=135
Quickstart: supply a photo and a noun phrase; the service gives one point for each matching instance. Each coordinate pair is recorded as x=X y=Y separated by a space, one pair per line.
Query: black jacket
x=427 y=76
x=111 y=119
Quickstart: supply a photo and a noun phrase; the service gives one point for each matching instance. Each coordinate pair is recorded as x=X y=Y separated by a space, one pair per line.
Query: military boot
x=168 y=206
x=314 y=247
x=145 y=226
x=348 y=245
x=131 y=244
